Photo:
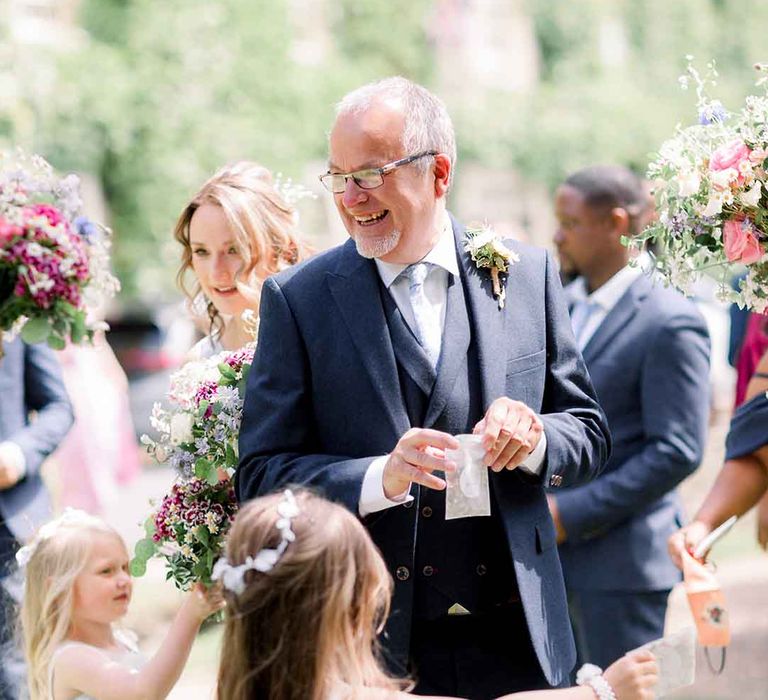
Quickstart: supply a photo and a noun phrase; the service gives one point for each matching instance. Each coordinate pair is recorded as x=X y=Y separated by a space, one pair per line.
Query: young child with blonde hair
x=307 y=593
x=77 y=586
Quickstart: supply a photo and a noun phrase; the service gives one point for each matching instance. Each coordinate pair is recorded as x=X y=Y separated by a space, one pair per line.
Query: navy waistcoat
x=463 y=561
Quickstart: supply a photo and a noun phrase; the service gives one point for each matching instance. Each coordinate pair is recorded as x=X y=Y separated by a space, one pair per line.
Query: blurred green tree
x=162 y=94
x=159 y=94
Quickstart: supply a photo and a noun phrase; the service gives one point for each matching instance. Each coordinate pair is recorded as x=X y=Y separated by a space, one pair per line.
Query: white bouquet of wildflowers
x=709 y=182
x=196 y=434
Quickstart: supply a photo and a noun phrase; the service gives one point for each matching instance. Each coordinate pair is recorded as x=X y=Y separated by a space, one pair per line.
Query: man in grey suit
x=30 y=383
x=647 y=351
x=373 y=355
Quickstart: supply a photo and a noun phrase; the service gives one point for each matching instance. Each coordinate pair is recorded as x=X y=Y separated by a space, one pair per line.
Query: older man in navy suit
x=647 y=351
x=30 y=383
x=373 y=355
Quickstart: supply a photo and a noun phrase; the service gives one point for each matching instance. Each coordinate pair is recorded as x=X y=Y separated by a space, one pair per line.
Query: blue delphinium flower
x=713 y=113
x=87 y=228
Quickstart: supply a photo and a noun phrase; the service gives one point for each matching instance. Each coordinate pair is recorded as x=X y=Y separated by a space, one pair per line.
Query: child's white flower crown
x=70 y=516
x=233 y=577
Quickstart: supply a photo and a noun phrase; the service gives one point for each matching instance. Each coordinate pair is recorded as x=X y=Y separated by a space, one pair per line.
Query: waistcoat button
x=426 y=511
x=427 y=570
x=402 y=573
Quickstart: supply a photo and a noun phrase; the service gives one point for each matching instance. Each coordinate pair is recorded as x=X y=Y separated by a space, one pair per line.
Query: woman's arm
x=90 y=671
x=632 y=677
x=738 y=487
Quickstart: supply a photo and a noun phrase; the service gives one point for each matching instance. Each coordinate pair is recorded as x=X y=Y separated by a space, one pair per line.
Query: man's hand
x=10 y=473
x=510 y=433
x=417 y=454
x=686 y=538
x=555 y=513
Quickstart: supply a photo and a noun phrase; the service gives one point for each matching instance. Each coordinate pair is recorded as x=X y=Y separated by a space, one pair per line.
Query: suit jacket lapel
x=617 y=318
x=355 y=289
x=487 y=320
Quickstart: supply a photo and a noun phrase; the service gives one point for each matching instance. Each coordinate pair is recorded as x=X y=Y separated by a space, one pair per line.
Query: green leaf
x=149 y=526
x=145 y=549
x=202 y=535
x=78 y=330
x=35 y=330
x=138 y=567
x=226 y=371
x=56 y=342
x=202 y=468
x=213 y=477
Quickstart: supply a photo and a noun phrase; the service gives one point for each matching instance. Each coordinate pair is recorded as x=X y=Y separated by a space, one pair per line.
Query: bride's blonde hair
x=263 y=223
x=307 y=628
x=59 y=553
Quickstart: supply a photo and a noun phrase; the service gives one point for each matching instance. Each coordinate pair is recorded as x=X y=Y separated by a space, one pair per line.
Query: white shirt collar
x=443 y=254
x=608 y=295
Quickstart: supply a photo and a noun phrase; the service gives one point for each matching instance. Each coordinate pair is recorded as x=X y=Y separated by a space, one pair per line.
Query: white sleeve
x=535 y=461
x=372 y=497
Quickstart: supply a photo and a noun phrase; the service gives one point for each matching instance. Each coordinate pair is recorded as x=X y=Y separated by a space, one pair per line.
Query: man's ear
x=442 y=171
x=620 y=221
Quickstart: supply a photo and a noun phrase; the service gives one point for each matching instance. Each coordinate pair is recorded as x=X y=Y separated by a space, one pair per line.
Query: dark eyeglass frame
x=329 y=179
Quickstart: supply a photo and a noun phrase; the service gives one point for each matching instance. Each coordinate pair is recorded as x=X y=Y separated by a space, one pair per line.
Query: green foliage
x=164 y=93
x=587 y=109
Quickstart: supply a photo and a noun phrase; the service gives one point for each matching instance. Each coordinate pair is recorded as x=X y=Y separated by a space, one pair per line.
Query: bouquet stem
x=498 y=289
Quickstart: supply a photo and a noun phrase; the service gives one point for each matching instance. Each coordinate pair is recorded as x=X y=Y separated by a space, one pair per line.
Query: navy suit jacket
x=649 y=362
x=323 y=400
x=30 y=381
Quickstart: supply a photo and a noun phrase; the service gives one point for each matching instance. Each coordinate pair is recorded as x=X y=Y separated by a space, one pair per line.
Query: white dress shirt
x=444 y=263
x=604 y=298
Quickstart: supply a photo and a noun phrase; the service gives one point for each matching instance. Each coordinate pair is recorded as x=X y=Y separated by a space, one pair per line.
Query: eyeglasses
x=370 y=178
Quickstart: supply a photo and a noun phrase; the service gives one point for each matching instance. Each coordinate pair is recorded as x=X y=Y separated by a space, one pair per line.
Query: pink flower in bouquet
x=53 y=215
x=729 y=155
x=8 y=231
x=741 y=243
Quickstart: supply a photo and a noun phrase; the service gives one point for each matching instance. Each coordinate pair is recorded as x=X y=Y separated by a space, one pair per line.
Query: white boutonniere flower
x=489 y=252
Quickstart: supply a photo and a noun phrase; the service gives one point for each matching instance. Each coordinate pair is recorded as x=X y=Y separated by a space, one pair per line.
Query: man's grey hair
x=428 y=127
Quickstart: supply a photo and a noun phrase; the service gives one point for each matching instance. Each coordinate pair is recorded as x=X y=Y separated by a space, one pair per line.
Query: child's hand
x=634 y=675
x=202 y=601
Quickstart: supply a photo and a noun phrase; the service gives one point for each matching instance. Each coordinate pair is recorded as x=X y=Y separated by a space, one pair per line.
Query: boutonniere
x=488 y=252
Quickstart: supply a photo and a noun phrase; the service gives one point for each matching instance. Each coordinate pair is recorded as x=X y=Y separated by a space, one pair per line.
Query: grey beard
x=378 y=248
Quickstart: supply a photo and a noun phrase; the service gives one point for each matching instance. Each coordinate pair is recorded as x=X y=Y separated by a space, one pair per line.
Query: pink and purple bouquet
x=710 y=184
x=197 y=435
x=188 y=531
x=54 y=263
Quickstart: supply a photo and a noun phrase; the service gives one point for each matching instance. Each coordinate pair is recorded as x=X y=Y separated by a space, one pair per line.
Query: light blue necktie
x=427 y=330
x=580 y=314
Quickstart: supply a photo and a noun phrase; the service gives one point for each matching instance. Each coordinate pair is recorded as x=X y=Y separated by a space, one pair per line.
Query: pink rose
x=8 y=231
x=51 y=213
x=741 y=243
x=729 y=155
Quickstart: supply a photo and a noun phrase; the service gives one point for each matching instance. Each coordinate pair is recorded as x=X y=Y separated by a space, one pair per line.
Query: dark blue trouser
x=475 y=656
